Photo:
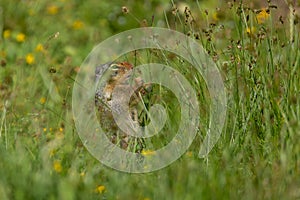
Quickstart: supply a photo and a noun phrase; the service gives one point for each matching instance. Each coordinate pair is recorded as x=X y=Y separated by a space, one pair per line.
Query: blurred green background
x=255 y=45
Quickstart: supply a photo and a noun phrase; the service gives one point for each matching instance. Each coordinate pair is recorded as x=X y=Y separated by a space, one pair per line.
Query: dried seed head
x=296 y=20
x=197 y=36
x=3 y=63
x=281 y=19
x=206 y=12
x=56 y=35
x=230 y=4
x=52 y=70
x=273 y=6
x=174 y=10
x=212 y=25
x=144 y=23
x=125 y=10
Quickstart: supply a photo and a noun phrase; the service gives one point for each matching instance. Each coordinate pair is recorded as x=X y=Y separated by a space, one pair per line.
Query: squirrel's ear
x=127 y=65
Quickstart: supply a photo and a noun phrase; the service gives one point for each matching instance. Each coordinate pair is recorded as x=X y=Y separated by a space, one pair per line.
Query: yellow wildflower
x=52 y=10
x=147 y=152
x=262 y=16
x=77 y=24
x=215 y=16
x=39 y=47
x=250 y=30
x=52 y=153
x=82 y=174
x=100 y=189
x=42 y=100
x=20 y=37
x=30 y=59
x=3 y=54
x=61 y=129
x=31 y=12
x=6 y=34
x=189 y=153
x=44 y=129
x=57 y=166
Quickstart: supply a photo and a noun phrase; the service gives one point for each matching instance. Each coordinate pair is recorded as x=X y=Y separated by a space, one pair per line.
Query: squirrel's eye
x=115 y=73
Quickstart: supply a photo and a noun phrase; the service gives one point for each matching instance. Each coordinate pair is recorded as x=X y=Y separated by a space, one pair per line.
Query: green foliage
x=42 y=46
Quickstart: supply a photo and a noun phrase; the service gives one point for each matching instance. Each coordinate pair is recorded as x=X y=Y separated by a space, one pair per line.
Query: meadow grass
x=42 y=46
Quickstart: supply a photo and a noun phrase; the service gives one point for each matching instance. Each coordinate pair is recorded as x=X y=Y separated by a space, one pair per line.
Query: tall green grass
x=257 y=156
